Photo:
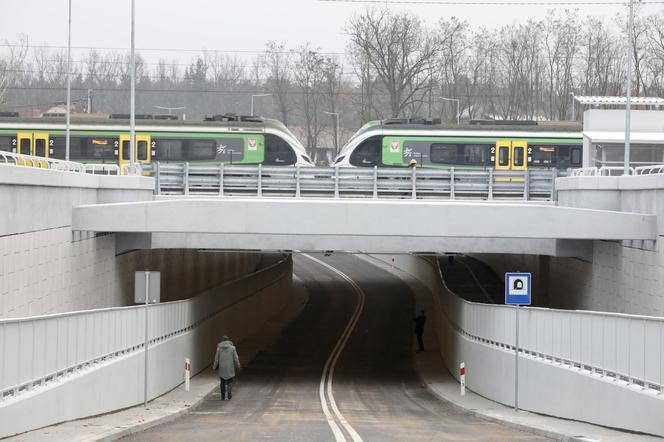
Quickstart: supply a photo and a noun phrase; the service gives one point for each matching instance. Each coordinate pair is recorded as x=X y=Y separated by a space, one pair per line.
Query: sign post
x=517 y=292
x=146 y=291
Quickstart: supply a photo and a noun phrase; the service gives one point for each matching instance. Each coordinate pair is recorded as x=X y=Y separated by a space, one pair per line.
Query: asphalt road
x=283 y=395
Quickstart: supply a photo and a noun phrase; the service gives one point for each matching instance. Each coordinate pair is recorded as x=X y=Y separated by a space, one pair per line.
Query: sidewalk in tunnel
x=170 y=406
x=438 y=380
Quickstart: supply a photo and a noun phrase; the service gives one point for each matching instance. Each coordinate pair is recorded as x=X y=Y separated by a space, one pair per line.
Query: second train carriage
x=513 y=146
x=227 y=139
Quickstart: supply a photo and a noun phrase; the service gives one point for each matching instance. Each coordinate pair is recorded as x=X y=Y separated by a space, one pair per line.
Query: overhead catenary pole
x=628 y=102
x=68 y=85
x=336 y=140
x=456 y=100
x=132 y=94
x=252 y=101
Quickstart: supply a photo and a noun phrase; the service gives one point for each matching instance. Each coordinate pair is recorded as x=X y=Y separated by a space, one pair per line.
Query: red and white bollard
x=462 y=378
x=187 y=373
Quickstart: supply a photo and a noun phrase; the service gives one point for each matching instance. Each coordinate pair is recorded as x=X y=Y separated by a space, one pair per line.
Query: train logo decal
x=394 y=146
x=408 y=152
x=253 y=145
x=221 y=149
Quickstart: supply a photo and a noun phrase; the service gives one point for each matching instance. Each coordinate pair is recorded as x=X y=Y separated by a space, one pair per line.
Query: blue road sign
x=517 y=288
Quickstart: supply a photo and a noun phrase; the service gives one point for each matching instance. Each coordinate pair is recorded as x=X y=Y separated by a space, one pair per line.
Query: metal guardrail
x=620 y=347
x=39 y=350
x=340 y=182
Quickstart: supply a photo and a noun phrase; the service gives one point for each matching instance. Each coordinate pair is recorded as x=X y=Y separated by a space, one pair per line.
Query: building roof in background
x=618 y=101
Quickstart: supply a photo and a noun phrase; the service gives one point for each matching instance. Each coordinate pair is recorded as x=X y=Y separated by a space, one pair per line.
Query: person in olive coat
x=227 y=364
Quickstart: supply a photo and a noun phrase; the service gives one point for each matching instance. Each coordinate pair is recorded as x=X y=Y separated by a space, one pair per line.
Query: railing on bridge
x=339 y=182
x=620 y=347
x=651 y=169
x=38 y=350
x=16 y=159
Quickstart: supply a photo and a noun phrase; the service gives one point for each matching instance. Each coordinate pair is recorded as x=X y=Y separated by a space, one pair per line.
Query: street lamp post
x=573 y=114
x=132 y=94
x=336 y=139
x=68 y=86
x=252 y=100
x=628 y=100
x=457 y=106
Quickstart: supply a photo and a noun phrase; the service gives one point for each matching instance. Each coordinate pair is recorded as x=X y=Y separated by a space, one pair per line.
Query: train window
x=473 y=154
x=6 y=144
x=60 y=146
x=543 y=155
x=125 y=150
x=99 y=148
x=169 y=150
x=368 y=153
x=503 y=156
x=40 y=147
x=278 y=151
x=142 y=150
x=201 y=150
x=518 y=156
x=25 y=146
x=576 y=156
x=444 y=153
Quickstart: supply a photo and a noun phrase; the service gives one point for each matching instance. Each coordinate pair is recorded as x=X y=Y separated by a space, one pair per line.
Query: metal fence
x=16 y=159
x=340 y=182
x=623 y=348
x=36 y=351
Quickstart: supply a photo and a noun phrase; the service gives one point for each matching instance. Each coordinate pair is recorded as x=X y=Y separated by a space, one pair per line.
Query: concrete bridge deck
x=374 y=226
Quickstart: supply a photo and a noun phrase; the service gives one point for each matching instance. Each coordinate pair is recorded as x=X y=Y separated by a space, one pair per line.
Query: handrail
x=67 y=343
x=493 y=324
x=21 y=160
x=649 y=170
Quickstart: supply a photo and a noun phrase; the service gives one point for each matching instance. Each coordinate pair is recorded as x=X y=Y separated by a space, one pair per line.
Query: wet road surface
x=281 y=395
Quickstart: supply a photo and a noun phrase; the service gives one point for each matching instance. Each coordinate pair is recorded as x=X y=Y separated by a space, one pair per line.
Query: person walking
x=227 y=362
x=419 y=328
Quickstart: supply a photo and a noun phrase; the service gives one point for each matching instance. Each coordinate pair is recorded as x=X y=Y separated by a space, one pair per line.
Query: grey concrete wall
x=619 y=278
x=118 y=383
x=46 y=268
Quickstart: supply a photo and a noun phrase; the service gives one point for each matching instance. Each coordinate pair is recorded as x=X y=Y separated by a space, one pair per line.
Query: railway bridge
x=229 y=241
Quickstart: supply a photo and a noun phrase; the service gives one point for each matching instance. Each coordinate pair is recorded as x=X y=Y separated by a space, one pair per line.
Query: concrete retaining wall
x=544 y=387
x=118 y=383
x=619 y=279
x=46 y=268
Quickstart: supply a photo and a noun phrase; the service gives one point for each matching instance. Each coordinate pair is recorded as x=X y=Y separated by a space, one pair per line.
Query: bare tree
x=278 y=64
x=11 y=63
x=309 y=78
x=398 y=48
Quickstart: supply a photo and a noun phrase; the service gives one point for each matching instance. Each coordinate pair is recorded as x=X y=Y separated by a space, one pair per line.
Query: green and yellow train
x=220 y=139
x=501 y=145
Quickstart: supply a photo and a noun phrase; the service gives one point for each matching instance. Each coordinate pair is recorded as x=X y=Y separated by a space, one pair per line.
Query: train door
x=40 y=146
x=142 y=149
x=511 y=155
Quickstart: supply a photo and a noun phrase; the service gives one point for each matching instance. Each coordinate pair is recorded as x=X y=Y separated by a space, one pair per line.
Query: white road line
x=328 y=370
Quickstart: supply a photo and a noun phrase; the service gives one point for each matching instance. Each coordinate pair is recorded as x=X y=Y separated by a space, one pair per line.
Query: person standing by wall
x=227 y=362
x=419 y=328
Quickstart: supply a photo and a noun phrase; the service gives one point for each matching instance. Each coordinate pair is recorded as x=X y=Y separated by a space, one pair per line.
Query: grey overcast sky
x=243 y=25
